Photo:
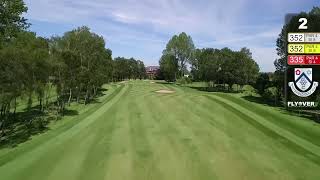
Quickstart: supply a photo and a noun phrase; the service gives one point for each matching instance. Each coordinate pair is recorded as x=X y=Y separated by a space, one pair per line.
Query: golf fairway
x=135 y=133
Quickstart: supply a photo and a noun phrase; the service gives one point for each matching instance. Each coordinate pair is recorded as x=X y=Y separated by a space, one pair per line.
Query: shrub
x=248 y=90
x=270 y=94
x=184 y=80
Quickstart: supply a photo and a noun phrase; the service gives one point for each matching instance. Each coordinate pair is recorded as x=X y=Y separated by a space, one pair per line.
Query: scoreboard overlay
x=303 y=67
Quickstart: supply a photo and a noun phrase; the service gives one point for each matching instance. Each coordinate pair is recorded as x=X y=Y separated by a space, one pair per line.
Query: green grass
x=22 y=101
x=136 y=133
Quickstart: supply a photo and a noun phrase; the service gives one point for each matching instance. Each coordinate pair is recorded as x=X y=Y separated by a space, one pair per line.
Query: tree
x=128 y=69
x=225 y=66
x=246 y=51
x=195 y=64
x=169 y=67
x=24 y=70
x=181 y=47
x=141 y=70
x=11 y=19
x=250 y=69
x=81 y=64
x=315 y=11
x=270 y=94
x=209 y=65
x=229 y=68
x=262 y=83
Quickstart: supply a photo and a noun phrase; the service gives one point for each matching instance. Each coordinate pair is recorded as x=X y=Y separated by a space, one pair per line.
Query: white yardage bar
x=304 y=37
x=312 y=37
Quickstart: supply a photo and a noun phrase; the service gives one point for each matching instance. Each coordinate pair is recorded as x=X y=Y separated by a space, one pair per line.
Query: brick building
x=152 y=71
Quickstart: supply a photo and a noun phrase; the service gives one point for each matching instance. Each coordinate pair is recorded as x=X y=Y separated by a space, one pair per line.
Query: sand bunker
x=165 y=91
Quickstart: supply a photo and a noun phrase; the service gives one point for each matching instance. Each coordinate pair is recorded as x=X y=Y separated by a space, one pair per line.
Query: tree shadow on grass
x=163 y=82
x=92 y=101
x=23 y=125
x=20 y=127
x=261 y=100
x=311 y=115
x=68 y=112
x=214 y=89
x=101 y=92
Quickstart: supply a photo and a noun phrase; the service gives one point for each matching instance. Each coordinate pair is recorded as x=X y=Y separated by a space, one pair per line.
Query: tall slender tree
x=181 y=47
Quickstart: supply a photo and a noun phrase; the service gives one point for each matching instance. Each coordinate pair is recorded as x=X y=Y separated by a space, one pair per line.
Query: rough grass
x=134 y=133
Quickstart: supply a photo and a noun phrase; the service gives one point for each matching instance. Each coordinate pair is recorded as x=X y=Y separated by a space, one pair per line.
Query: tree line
x=128 y=69
x=217 y=66
x=53 y=71
x=225 y=66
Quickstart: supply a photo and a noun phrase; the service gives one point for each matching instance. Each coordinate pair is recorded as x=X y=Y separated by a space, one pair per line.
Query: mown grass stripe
x=180 y=132
x=61 y=138
x=28 y=146
x=297 y=144
x=144 y=165
x=297 y=125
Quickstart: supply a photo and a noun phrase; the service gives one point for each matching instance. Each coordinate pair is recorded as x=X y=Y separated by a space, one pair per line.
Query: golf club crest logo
x=303 y=85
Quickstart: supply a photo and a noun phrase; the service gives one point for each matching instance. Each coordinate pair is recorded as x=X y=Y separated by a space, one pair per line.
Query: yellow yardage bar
x=311 y=48
x=304 y=48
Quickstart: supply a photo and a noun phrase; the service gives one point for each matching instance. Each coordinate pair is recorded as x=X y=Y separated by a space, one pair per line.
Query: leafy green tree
x=209 y=65
x=11 y=19
x=262 y=83
x=181 y=47
x=225 y=66
x=270 y=94
x=315 y=11
x=141 y=70
x=128 y=69
x=195 y=64
x=82 y=62
x=229 y=67
x=24 y=70
x=249 y=70
x=169 y=67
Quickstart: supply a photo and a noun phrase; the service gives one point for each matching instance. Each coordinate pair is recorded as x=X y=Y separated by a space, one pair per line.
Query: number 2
x=303 y=24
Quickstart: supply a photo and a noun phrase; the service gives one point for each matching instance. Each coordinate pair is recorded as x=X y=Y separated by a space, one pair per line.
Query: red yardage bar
x=304 y=60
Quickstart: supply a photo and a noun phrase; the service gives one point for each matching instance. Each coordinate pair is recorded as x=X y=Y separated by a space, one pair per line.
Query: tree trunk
x=94 y=91
x=48 y=95
x=70 y=96
x=1 y=111
x=1 y=130
x=29 y=101
x=78 y=94
x=86 y=97
x=7 y=115
x=40 y=103
x=15 y=107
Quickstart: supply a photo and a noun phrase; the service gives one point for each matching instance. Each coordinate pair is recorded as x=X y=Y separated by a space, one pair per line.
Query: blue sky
x=141 y=28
